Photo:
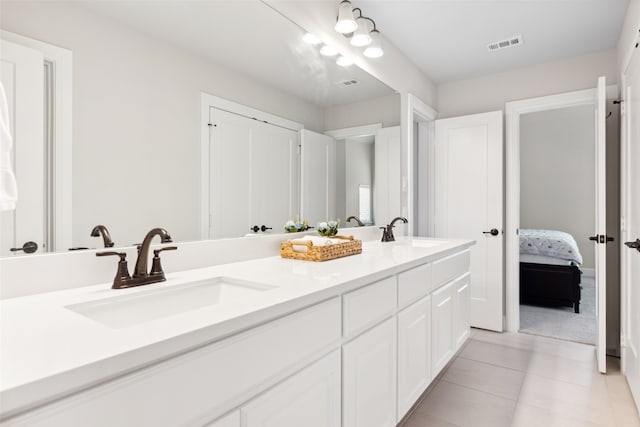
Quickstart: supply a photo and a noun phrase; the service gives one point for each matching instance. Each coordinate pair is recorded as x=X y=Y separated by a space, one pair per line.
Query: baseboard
x=588 y=272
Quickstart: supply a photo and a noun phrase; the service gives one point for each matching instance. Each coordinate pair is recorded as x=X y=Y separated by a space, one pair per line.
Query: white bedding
x=549 y=243
x=541 y=259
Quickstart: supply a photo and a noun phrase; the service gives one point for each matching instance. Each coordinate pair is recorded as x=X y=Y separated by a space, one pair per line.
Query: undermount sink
x=128 y=310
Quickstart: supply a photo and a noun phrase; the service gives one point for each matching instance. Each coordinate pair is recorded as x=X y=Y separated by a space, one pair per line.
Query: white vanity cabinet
x=449 y=308
x=414 y=353
x=310 y=398
x=352 y=358
x=441 y=328
x=369 y=378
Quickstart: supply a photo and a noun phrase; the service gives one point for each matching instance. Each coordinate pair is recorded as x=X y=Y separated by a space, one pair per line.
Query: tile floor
x=521 y=380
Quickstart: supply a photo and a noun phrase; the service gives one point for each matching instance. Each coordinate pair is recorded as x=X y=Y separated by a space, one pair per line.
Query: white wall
x=385 y=110
x=136 y=120
x=557 y=158
x=490 y=93
x=629 y=35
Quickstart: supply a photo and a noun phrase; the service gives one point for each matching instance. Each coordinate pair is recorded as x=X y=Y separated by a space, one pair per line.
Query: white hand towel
x=8 y=188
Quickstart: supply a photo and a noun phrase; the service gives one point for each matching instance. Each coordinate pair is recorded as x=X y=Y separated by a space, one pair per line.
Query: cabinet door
x=441 y=327
x=461 y=309
x=311 y=398
x=369 y=382
x=414 y=353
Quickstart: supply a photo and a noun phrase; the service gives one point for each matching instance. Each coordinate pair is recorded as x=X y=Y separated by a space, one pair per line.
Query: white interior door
x=468 y=187
x=318 y=177
x=254 y=175
x=22 y=75
x=631 y=228
x=387 y=186
x=601 y=226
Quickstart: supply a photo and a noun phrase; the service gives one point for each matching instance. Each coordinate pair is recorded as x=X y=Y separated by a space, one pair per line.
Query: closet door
x=318 y=172
x=254 y=174
x=22 y=76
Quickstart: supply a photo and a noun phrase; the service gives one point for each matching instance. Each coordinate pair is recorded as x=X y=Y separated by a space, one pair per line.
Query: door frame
x=513 y=111
x=208 y=101
x=61 y=132
x=417 y=112
x=626 y=197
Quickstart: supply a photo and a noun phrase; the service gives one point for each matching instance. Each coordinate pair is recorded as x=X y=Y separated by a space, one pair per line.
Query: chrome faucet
x=356 y=219
x=387 y=233
x=101 y=230
x=141 y=275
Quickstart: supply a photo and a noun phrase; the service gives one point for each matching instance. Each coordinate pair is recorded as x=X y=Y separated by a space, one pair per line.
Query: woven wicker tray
x=350 y=246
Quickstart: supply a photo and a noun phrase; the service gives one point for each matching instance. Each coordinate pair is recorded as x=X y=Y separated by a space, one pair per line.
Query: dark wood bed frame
x=553 y=285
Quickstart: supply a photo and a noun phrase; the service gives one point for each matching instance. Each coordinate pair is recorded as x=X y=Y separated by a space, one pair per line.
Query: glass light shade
x=361 y=36
x=312 y=39
x=374 y=50
x=327 y=50
x=346 y=22
x=344 y=61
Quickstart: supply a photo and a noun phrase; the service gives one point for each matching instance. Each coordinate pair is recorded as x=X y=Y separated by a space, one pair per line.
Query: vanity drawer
x=366 y=306
x=450 y=267
x=216 y=378
x=414 y=284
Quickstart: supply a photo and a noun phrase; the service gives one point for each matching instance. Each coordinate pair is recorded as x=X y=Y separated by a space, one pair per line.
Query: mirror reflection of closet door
x=22 y=76
x=318 y=177
x=254 y=174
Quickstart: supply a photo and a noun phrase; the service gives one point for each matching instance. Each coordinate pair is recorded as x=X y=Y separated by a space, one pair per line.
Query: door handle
x=633 y=245
x=601 y=238
x=28 y=248
x=493 y=232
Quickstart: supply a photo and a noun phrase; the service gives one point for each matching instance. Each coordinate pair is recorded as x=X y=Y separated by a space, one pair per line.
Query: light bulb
x=374 y=50
x=312 y=39
x=344 y=61
x=327 y=50
x=361 y=36
x=346 y=23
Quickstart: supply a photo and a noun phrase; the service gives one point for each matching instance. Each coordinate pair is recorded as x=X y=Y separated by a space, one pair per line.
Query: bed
x=549 y=269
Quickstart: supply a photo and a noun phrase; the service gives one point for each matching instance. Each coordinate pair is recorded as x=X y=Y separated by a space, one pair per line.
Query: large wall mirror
x=139 y=71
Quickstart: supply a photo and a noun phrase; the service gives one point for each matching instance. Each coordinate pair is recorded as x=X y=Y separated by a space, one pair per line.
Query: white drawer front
x=450 y=267
x=201 y=385
x=414 y=284
x=366 y=306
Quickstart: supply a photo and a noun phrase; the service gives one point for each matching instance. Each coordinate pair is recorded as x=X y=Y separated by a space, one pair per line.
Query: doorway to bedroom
x=557 y=199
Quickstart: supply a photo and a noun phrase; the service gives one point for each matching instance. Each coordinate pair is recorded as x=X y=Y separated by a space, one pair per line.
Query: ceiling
x=250 y=38
x=448 y=39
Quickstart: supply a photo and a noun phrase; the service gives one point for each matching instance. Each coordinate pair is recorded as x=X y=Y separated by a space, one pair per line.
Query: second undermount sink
x=122 y=311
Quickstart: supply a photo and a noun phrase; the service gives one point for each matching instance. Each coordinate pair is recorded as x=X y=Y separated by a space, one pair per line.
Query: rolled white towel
x=8 y=188
x=316 y=241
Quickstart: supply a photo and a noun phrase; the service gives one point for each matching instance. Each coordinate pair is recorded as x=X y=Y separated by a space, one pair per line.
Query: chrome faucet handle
x=122 y=278
x=156 y=266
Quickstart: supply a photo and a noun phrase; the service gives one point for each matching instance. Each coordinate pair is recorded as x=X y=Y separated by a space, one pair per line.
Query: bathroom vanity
x=265 y=342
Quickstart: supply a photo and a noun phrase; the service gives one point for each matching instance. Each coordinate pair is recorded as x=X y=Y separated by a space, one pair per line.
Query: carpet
x=562 y=322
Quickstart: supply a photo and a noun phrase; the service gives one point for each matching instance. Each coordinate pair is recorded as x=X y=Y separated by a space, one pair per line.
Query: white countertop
x=48 y=351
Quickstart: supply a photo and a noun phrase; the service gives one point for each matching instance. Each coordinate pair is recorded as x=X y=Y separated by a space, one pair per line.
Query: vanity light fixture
x=344 y=61
x=361 y=29
x=327 y=50
x=374 y=50
x=346 y=22
x=361 y=36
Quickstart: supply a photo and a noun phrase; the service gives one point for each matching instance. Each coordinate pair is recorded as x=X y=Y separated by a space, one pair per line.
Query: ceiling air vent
x=503 y=44
x=348 y=82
